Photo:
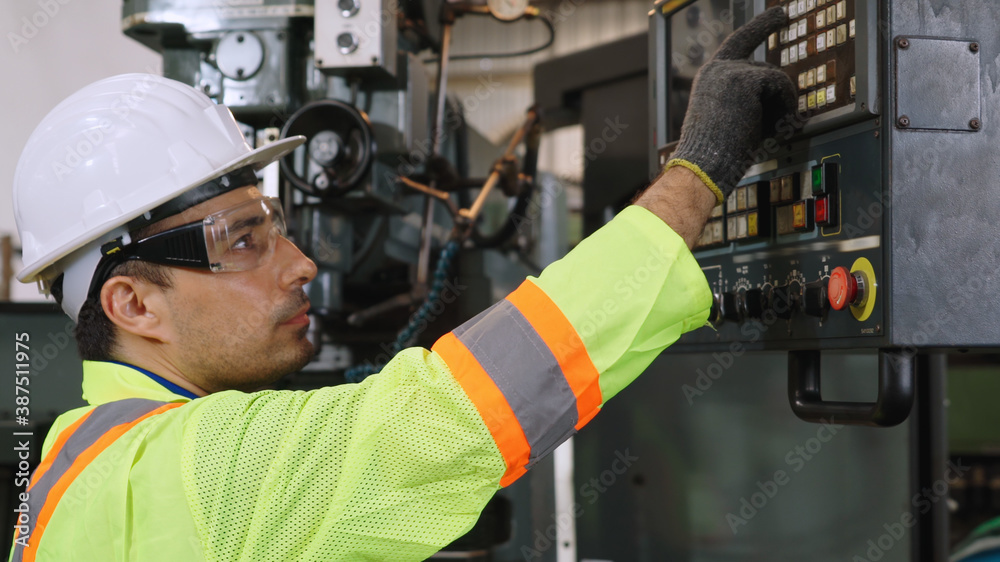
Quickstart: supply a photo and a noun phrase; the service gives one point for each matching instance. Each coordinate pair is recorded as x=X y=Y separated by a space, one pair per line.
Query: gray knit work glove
x=735 y=104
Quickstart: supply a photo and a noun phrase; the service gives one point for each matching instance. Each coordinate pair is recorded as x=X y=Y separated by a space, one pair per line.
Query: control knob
x=814 y=299
x=785 y=299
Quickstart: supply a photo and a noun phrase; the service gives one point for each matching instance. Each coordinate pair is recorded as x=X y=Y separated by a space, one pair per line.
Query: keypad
x=816 y=49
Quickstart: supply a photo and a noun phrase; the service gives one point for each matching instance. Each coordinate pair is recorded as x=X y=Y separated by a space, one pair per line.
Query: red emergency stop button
x=842 y=289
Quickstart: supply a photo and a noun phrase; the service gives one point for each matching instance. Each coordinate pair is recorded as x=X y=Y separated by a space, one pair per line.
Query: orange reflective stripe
x=564 y=342
x=81 y=462
x=56 y=447
x=493 y=407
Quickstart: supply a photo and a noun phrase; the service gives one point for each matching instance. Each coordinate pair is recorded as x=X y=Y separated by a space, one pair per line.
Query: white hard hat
x=113 y=151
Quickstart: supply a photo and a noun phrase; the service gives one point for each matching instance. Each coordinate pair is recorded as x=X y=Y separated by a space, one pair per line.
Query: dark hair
x=96 y=337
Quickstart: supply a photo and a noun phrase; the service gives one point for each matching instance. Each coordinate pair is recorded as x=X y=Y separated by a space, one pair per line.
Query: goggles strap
x=183 y=246
x=115 y=252
x=225 y=183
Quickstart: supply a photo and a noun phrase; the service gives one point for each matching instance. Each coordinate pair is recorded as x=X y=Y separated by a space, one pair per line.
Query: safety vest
x=75 y=448
x=393 y=468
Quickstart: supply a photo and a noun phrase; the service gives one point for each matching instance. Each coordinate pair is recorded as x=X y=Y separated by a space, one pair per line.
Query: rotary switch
x=815 y=301
x=785 y=299
x=756 y=303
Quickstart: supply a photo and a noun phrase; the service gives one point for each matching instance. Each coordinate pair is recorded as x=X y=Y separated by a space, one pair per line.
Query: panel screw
x=974 y=47
x=903 y=121
x=974 y=124
x=903 y=43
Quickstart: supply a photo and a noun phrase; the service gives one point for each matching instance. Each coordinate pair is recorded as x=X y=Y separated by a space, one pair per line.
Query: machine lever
x=895 y=391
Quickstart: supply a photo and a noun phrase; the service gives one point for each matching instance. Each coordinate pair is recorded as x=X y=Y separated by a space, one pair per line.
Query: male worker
x=188 y=296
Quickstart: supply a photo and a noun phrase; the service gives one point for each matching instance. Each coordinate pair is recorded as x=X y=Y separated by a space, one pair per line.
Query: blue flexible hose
x=406 y=336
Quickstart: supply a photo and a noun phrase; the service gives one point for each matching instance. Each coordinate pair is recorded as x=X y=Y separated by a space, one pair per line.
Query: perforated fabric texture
x=393 y=468
x=650 y=291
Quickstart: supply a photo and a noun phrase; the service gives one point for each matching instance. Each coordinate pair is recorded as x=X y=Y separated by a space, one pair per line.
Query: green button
x=817 y=178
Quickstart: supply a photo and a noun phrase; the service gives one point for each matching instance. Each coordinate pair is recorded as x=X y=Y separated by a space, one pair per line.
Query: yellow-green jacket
x=392 y=468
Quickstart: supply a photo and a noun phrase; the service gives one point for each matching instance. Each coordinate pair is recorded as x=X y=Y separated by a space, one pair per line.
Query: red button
x=822 y=211
x=842 y=288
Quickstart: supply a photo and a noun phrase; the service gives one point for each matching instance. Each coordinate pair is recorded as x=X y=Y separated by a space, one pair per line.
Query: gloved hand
x=734 y=105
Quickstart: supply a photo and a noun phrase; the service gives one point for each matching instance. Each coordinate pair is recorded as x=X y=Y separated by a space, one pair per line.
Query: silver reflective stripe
x=526 y=372
x=102 y=419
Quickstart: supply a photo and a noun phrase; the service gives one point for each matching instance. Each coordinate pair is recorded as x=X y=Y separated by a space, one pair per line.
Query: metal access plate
x=937 y=84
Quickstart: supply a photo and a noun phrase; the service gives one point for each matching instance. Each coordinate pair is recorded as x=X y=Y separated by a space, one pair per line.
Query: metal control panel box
x=356 y=35
x=867 y=221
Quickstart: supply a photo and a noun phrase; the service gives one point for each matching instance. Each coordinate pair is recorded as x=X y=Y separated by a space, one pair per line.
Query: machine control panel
x=793 y=256
x=817 y=52
x=800 y=201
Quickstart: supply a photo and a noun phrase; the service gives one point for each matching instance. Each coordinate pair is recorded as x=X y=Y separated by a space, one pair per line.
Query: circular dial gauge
x=507 y=10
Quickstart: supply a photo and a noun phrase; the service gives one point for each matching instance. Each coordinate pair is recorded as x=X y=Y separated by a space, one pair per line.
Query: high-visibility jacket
x=982 y=544
x=392 y=468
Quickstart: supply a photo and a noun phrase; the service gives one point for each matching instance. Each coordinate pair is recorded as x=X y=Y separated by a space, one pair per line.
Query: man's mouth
x=300 y=317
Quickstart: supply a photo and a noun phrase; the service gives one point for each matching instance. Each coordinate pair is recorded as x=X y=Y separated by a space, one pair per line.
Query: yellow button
x=799 y=215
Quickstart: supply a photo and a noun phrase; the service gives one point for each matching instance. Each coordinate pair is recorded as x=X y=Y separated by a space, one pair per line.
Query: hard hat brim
x=258 y=158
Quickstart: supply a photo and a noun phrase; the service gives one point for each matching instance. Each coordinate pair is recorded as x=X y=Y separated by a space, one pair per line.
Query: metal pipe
x=424 y=259
x=472 y=212
x=442 y=83
x=426 y=190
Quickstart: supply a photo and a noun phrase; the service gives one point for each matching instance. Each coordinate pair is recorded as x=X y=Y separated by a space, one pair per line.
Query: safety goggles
x=239 y=238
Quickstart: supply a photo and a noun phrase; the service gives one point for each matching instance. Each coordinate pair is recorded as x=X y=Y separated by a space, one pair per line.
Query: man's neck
x=163 y=369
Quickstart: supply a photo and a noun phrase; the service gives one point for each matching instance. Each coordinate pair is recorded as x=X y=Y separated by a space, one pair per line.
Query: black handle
x=895 y=391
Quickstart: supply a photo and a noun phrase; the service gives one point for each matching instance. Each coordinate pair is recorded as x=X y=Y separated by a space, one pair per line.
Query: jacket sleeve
x=540 y=363
x=400 y=465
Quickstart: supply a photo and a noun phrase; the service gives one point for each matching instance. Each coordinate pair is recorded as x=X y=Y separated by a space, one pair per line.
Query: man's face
x=239 y=330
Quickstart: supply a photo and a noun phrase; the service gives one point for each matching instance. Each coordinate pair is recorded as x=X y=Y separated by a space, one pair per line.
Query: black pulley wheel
x=339 y=149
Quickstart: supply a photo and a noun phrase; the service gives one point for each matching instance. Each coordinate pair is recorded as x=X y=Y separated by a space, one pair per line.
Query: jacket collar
x=107 y=381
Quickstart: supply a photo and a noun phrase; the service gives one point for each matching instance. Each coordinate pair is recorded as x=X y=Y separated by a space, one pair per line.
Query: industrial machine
x=861 y=224
x=384 y=196
x=860 y=238
x=409 y=214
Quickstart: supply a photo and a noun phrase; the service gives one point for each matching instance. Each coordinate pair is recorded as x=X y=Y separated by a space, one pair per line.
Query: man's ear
x=136 y=307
